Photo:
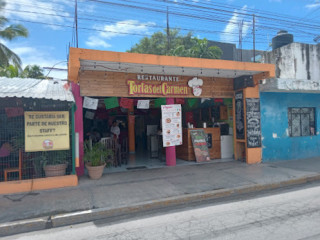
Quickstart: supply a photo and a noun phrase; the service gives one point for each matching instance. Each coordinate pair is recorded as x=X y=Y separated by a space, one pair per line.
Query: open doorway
x=197 y=113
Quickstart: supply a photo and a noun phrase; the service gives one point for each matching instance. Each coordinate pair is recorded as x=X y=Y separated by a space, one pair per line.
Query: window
x=301 y=122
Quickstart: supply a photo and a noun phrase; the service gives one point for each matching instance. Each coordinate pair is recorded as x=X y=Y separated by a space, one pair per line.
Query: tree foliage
x=30 y=71
x=9 y=32
x=176 y=45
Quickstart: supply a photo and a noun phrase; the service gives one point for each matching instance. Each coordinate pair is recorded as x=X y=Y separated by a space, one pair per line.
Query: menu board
x=171 y=125
x=200 y=146
x=209 y=140
x=239 y=115
x=253 y=122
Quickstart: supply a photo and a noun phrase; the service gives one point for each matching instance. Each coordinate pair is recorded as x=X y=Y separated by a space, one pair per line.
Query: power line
x=272 y=28
x=222 y=18
x=174 y=13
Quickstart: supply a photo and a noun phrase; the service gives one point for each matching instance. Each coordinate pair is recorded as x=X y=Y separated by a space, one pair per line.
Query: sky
x=117 y=25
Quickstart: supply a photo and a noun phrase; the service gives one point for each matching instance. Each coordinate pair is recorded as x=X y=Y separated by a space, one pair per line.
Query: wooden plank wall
x=114 y=84
x=186 y=151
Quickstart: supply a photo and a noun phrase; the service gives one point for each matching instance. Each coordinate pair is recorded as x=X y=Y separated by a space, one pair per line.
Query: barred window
x=301 y=122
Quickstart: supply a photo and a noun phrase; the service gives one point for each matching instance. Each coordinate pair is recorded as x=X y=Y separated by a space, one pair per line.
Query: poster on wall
x=46 y=131
x=253 y=122
x=171 y=125
x=239 y=115
x=200 y=146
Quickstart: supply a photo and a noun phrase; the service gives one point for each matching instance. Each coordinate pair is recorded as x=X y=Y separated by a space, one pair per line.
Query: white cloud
x=119 y=29
x=94 y=41
x=313 y=5
x=231 y=31
x=23 y=50
x=51 y=12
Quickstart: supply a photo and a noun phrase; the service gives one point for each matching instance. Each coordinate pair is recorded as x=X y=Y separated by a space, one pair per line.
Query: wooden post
x=131 y=135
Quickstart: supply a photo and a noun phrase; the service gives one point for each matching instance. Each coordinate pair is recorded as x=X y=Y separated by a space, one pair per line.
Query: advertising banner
x=90 y=103
x=46 y=131
x=171 y=125
x=200 y=146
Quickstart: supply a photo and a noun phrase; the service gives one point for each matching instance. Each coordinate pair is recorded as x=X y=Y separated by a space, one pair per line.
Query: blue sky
x=115 y=26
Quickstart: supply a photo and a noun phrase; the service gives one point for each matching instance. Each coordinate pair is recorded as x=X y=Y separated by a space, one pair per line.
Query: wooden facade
x=114 y=84
x=106 y=82
x=186 y=151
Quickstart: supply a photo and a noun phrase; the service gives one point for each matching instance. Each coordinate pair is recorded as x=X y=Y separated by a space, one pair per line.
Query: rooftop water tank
x=283 y=38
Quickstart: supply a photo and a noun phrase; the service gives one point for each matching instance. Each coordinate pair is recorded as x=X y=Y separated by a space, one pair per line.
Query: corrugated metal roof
x=34 y=88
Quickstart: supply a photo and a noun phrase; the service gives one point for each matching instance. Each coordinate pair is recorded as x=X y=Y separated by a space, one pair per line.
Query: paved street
x=288 y=215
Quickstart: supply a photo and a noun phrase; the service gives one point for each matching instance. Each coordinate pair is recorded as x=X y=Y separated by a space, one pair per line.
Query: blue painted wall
x=274 y=120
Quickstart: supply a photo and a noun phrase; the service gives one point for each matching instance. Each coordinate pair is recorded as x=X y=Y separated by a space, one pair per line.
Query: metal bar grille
x=301 y=122
x=15 y=163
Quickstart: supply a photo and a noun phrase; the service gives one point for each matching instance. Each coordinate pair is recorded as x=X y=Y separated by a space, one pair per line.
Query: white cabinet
x=226 y=146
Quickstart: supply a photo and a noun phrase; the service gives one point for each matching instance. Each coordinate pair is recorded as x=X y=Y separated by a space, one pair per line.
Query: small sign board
x=200 y=146
x=46 y=131
x=171 y=125
x=253 y=122
x=239 y=115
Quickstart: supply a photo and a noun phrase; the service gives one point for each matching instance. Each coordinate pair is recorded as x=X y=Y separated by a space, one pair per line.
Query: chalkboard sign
x=209 y=140
x=253 y=122
x=200 y=146
x=239 y=115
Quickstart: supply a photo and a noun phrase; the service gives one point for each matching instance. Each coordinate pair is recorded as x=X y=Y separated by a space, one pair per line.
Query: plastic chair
x=12 y=170
x=112 y=143
x=107 y=142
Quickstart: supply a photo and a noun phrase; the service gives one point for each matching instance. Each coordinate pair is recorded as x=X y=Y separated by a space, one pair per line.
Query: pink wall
x=170 y=151
x=78 y=117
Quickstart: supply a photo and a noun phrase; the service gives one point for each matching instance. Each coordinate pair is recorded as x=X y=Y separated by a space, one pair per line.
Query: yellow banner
x=46 y=131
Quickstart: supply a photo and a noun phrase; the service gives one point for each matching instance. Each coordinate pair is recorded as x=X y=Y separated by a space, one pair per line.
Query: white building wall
x=297 y=68
x=296 y=61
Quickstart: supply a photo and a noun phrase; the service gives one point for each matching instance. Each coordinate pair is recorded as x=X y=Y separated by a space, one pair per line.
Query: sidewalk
x=138 y=190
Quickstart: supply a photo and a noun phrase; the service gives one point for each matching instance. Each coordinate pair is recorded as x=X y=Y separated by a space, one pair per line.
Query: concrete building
x=231 y=52
x=290 y=110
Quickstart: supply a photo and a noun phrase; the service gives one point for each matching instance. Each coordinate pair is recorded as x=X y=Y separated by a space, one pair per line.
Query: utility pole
x=240 y=38
x=254 y=37
x=168 y=31
x=76 y=21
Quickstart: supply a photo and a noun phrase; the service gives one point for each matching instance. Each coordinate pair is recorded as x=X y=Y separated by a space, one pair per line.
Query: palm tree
x=9 y=71
x=32 y=71
x=9 y=32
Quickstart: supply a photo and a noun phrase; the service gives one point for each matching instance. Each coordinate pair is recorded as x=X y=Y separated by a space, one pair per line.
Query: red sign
x=180 y=101
x=14 y=112
x=126 y=102
x=218 y=100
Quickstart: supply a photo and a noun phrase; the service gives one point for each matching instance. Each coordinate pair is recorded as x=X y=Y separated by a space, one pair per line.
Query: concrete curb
x=23 y=226
x=59 y=220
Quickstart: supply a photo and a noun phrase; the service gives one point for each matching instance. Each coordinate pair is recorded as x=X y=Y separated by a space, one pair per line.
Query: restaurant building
x=221 y=97
x=36 y=135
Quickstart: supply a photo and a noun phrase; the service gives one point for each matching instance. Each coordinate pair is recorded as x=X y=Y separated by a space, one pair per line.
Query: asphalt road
x=281 y=215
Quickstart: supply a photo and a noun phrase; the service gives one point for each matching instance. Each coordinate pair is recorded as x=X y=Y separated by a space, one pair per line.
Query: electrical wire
x=210 y=12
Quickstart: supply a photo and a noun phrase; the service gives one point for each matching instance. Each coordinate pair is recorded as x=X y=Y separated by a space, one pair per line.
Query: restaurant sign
x=46 y=131
x=162 y=78
x=164 y=88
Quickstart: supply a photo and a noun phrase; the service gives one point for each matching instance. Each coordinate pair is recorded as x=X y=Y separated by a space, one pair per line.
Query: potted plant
x=96 y=158
x=55 y=163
